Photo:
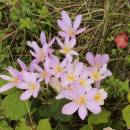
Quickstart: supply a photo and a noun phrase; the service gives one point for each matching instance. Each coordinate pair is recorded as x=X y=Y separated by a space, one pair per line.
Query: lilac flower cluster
x=71 y=79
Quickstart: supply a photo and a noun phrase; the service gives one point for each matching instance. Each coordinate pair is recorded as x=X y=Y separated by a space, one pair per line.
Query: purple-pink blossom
x=69 y=28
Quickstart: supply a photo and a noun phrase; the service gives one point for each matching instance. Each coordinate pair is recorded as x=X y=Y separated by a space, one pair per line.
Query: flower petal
x=77 y=22
x=43 y=37
x=70 y=108
x=66 y=18
x=94 y=107
x=26 y=95
x=5 y=77
x=90 y=58
x=6 y=87
x=22 y=64
x=80 y=31
x=82 y=112
x=62 y=25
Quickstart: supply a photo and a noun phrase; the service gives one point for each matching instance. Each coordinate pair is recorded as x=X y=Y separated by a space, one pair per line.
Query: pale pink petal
x=72 y=42
x=35 y=46
x=51 y=42
x=22 y=85
x=33 y=54
x=98 y=59
x=43 y=38
x=82 y=112
x=29 y=77
x=70 y=108
x=35 y=93
x=62 y=25
x=105 y=59
x=62 y=34
x=66 y=18
x=94 y=107
x=32 y=65
x=6 y=87
x=77 y=22
x=5 y=77
x=73 y=53
x=69 y=58
x=26 y=95
x=22 y=64
x=60 y=42
x=38 y=68
x=80 y=31
x=90 y=58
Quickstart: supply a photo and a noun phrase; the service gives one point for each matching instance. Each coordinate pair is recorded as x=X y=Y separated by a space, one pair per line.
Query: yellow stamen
x=67 y=50
x=32 y=86
x=82 y=82
x=82 y=100
x=96 y=75
x=71 y=77
x=98 y=97
x=58 y=68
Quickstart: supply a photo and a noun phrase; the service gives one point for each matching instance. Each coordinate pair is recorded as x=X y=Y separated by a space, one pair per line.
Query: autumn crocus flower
x=57 y=67
x=44 y=73
x=99 y=74
x=40 y=53
x=121 y=40
x=30 y=84
x=98 y=60
x=72 y=73
x=80 y=101
x=68 y=28
x=25 y=68
x=84 y=79
x=67 y=48
x=13 y=80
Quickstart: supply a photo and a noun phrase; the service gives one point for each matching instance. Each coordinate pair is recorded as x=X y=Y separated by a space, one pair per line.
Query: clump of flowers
x=72 y=79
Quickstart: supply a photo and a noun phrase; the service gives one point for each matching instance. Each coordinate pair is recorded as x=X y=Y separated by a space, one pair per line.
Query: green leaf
x=87 y=127
x=25 y=23
x=103 y=117
x=4 y=125
x=23 y=127
x=44 y=124
x=44 y=12
x=126 y=115
x=53 y=110
x=13 y=107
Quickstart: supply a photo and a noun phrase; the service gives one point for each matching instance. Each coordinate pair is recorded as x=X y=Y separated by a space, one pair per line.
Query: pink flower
x=41 y=53
x=13 y=80
x=68 y=28
x=67 y=47
x=25 y=68
x=56 y=84
x=97 y=95
x=30 y=84
x=99 y=74
x=57 y=68
x=97 y=60
x=84 y=79
x=44 y=74
x=72 y=73
x=80 y=101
